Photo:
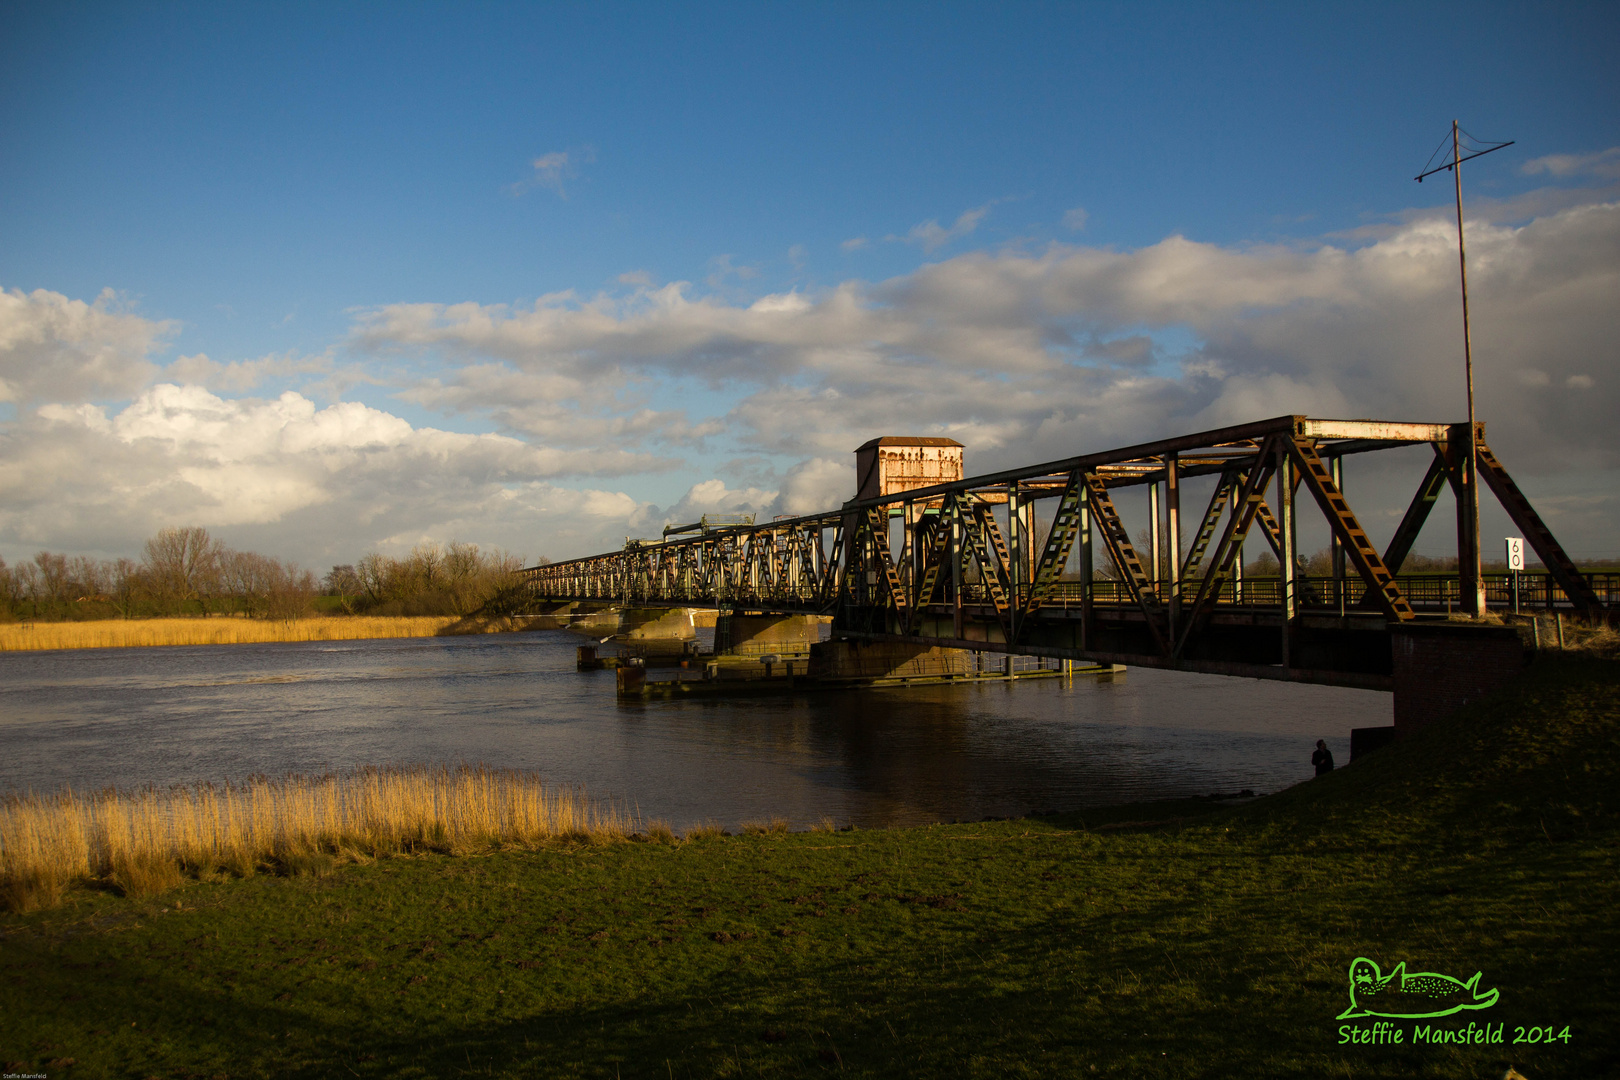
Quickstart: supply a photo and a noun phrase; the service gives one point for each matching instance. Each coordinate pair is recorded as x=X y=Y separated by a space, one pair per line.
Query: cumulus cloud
x=714 y=497
x=1017 y=347
x=344 y=477
x=1024 y=355
x=239 y=376
x=54 y=348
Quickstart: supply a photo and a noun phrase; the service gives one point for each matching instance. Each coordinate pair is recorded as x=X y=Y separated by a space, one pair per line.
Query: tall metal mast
x=1469 y=569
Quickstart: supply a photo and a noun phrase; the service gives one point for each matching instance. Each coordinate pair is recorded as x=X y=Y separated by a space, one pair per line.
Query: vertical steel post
x=1237 y=576
x=1285 y=526
x=1338 y=548
x=1085 y=564
x=1470 y=584
x=911 y=572
x=1030 y=554
x=1015 y=546
x=956 y=573
x=1153 y=536
x=1172 y=519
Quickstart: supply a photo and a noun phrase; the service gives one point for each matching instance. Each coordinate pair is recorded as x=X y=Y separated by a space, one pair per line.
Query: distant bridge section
x=1005 y=562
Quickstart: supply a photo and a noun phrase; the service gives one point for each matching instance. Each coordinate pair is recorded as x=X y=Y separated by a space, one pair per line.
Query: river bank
x=235 y=630
x=1179 y=939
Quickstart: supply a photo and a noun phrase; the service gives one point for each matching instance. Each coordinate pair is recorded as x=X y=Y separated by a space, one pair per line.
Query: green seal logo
x=1422 y=994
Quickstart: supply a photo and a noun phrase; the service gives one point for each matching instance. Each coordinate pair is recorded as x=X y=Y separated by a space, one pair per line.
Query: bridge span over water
x=1041 y=561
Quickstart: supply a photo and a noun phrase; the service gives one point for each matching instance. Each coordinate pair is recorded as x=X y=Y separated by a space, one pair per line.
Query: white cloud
x=1009 y=345
x=854 y=243
x=1023 y=355
x=721 y=268
x=714 y=497
x=239 y=376
x=551 y=170
x=1604 y=164
x=931 y=236
x=54 y=348
x=1075 y=220
x=327 y=481
x=1033 y=355
x=816 y=485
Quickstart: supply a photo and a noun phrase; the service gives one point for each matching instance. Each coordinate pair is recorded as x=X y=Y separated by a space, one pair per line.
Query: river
x=128 y=717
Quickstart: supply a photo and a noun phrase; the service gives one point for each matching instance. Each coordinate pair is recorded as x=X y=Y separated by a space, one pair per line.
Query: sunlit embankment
x=145 y=841
x=224 y=630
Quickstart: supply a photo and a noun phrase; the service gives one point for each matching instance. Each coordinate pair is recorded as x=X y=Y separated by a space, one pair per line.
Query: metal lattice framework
x=982 y=560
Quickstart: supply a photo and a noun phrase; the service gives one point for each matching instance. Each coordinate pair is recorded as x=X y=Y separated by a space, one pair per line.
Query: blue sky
x=313 y=189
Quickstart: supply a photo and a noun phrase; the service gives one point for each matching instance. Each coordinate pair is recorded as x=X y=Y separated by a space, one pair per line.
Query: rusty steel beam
x=1348 y=531
x=1553 y=557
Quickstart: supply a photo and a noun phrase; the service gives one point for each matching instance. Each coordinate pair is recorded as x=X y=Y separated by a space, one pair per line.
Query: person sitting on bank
x=1323 y=758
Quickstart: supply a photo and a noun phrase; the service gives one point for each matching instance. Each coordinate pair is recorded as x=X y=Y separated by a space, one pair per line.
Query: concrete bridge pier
x=760 y=635
x=657 y=624
x=573 y=615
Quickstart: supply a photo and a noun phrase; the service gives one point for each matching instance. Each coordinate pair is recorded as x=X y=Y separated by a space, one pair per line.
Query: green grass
x=1172 y=940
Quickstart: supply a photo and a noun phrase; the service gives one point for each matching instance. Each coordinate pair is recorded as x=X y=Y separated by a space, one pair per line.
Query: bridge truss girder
x=975 y=561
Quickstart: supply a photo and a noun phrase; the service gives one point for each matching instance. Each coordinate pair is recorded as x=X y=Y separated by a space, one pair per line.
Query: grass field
x=225 y=630
x=1176 y=940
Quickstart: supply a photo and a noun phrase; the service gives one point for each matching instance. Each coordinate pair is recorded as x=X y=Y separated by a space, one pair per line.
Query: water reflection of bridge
x=1007 y=562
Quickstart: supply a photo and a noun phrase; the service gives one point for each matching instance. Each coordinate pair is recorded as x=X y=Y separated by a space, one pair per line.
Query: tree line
x=457 y=579
x=185 y=571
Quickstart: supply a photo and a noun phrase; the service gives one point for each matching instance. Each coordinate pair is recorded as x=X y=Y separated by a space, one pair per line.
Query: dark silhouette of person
x=1323 y=758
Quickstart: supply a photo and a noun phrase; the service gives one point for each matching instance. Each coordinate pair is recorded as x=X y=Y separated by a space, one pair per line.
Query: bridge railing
x=1538 y=590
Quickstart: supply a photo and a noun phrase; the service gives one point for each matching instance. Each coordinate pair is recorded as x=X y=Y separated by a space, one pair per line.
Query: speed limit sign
x=1515 y=552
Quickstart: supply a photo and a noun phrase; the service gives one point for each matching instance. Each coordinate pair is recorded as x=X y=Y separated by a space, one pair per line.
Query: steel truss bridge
x=1004 y=562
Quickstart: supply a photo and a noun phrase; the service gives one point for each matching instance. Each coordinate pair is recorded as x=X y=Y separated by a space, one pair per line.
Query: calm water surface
x=128 y=717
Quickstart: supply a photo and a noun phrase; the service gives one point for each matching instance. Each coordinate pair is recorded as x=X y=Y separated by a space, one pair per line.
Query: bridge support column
x=657 y=624
x=1441 y=667
x=784 y=635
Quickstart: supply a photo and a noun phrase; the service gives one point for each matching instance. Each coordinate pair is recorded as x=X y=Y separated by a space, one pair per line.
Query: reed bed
x=143 y=842
x=228 y=630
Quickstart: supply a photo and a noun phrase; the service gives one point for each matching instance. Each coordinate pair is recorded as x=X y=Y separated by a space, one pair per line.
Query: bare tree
x=52 y=579
x=88 y=578
x=10 y=589
x=182 y=564
x=126 y=584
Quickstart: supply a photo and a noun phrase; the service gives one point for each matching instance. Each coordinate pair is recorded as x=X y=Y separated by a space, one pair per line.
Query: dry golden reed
x=226 y=630
x=141 y=842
